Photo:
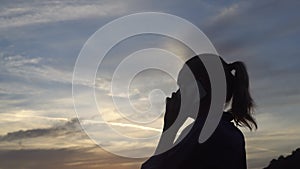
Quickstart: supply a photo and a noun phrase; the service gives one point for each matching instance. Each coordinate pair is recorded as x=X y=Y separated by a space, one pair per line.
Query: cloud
x=26 y=120
x=28 y=83
x=36 y=12
x=32 y=67
x=240 y=27
x=139 y=127
x=62 y=134
x=65 y=134
x=70 y=127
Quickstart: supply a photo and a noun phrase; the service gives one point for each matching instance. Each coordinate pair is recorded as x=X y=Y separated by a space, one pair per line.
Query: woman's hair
x=238 y=94
x=238 y=98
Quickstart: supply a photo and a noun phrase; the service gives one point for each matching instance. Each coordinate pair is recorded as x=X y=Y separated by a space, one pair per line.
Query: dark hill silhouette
x=289 y=162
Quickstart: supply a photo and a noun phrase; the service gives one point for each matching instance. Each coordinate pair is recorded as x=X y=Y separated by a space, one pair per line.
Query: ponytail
x=242 y=103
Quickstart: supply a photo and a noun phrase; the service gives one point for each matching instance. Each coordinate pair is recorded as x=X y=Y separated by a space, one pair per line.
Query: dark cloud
x=248 y=24
x=69 y=128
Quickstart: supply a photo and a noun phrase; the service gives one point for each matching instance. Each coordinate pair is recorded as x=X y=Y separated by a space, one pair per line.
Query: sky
x=41 y=40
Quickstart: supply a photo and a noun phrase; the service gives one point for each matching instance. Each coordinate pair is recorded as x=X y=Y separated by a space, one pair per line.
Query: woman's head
x=238 y=98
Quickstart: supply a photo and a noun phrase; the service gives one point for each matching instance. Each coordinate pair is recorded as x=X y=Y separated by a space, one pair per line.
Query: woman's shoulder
x=227 y=133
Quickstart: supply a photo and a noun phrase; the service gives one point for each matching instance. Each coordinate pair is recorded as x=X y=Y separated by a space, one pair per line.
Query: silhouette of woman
x=225 y=149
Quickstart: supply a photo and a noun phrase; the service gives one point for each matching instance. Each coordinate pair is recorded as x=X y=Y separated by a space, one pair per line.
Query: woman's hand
x=172 y=109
